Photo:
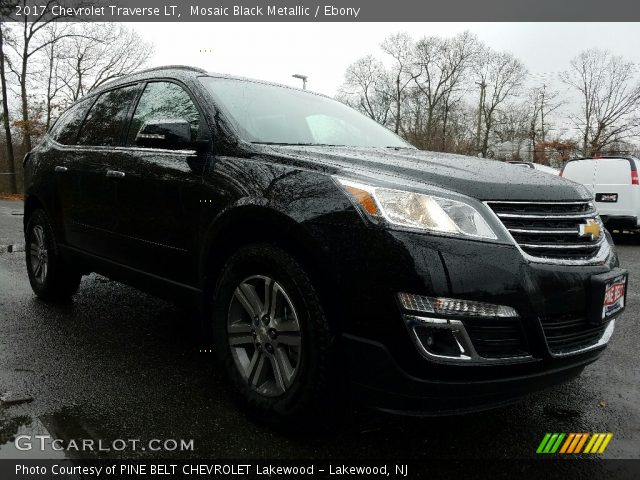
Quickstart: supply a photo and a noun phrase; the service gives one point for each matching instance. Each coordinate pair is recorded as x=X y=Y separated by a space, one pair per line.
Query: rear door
x=160 y=194
x=613 y=187
x=93 y=172
x=64 y=135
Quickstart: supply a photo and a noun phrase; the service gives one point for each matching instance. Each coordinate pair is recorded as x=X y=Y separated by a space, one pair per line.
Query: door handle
x=114 y=174
x=60 y=169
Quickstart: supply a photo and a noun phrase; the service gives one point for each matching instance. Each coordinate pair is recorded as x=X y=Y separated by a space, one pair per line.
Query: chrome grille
x=497 y=338
x=550 y=230
x=570 y=332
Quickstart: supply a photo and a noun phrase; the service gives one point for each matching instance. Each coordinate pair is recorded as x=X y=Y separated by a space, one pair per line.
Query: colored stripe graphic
x=591 y=443
x=581 y=443
x=574 y=443
x=550 y=443
x=555 y=447
x=543 y=443
x=552 y=440
x=596 y=446
x=605 y=443
x=567 y=442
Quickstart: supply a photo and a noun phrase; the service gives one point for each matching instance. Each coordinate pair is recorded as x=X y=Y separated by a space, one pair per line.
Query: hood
x=471 y=176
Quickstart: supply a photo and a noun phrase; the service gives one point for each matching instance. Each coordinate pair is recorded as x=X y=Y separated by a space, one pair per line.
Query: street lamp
x=303 y=78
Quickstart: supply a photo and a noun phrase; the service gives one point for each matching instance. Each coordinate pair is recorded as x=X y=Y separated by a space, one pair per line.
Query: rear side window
x=164 y=101
x=104 y=122
x=66 y=128
x=581 y=171
x=613 y=171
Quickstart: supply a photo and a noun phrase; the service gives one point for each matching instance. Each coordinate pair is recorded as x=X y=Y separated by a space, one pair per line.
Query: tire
x=51 y=279
x=300 y=349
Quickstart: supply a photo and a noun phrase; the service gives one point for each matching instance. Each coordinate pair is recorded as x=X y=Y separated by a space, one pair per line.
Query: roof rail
x=174 y=67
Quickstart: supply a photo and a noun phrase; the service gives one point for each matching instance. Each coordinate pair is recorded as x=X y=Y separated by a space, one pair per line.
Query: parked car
x=326 y=254
x=613 y=183
x=536 y=166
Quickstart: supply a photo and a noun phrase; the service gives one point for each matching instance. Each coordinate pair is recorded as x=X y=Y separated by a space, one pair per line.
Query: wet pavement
x=119 y=364
x=10 y=223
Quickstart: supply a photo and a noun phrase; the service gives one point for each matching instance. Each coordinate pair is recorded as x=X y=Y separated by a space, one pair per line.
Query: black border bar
x=326 y=10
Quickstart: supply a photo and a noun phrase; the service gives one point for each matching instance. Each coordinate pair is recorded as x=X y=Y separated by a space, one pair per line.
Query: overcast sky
x=275 y=51
x=322 y=51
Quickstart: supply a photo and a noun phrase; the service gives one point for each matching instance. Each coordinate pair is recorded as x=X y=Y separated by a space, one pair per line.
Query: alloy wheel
x=264 y=335
x=38 y=254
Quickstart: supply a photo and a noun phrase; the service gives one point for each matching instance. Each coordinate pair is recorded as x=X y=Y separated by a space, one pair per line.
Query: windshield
x=279 y=115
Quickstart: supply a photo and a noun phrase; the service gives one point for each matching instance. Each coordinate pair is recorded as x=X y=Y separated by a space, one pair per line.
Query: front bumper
x=379 y=382
x=387 y=367
x=616 y=222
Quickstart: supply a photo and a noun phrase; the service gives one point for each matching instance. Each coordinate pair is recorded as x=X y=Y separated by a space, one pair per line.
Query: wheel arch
x=31 y=204
x=253 y=224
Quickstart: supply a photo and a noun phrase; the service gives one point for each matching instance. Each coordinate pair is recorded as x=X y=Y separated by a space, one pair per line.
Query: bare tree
x=512 y=126
x=366 y=88
x=500 y=75
x=5 y=113
x=440 y=68
x=28 y=42
x=97 y=53
x=544 y=102
x=51 y=73
x=400 y=47
x=610 y=97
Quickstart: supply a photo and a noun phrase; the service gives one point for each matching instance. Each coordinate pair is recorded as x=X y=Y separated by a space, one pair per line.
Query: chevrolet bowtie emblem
x=591 y=228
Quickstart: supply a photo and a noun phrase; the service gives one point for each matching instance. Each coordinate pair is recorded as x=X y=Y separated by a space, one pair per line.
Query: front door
x=159 y=195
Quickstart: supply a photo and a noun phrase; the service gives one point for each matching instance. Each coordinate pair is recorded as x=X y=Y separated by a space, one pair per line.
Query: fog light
x=439 y=341
x=440 y=338
x=453 y=306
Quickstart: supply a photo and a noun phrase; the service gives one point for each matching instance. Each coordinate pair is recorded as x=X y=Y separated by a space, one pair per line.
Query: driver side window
x=163 y=101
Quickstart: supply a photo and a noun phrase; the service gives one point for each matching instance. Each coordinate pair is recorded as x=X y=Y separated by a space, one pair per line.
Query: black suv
x=320 y=247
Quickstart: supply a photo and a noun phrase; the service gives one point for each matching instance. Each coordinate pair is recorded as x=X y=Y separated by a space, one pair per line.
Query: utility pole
x=542 y=98
x=542 y=95
x=483 y=87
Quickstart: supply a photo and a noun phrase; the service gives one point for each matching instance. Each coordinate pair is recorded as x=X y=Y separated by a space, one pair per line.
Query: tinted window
x=104 y=121
x=581 y=171
x=65 y=129
x=273 y=114
x=164 y=101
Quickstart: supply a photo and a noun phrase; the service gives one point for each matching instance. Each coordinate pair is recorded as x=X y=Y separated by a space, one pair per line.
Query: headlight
x=417 y=210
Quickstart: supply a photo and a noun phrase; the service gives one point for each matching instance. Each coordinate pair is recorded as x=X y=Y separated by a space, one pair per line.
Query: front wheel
x=271 y=335
x=51 y=278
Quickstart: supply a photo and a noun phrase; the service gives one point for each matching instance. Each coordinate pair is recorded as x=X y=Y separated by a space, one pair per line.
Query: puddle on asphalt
x=53 y=436
x=27 y=438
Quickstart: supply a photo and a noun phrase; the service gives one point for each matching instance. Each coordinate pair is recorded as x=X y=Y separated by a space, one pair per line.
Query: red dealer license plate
x=614 y=296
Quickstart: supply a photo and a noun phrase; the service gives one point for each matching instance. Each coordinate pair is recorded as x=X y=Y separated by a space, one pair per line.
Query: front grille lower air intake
x=551 y=230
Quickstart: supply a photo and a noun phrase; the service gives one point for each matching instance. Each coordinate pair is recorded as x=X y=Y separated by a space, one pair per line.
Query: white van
x=615 y=186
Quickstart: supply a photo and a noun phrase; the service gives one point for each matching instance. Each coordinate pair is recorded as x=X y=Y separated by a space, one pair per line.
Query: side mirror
x=172 y=134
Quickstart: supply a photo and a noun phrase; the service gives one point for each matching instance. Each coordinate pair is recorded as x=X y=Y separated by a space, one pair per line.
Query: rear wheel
x=50 y=277
x=271 y=335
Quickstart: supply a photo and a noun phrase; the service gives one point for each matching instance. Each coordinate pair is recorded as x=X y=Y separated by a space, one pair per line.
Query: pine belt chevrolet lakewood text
x=326 y=254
